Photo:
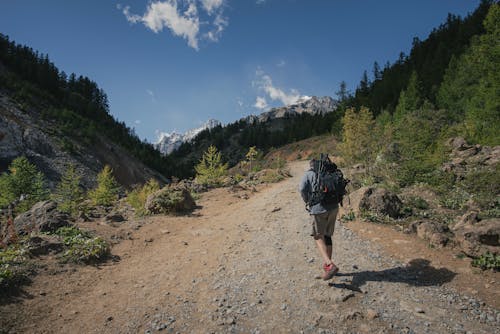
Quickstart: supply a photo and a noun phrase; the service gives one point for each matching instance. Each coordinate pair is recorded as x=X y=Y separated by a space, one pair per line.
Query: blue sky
x=172 y=64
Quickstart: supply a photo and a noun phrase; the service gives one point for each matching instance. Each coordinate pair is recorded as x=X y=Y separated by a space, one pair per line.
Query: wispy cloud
x=151 y=94
x=260 y=103
x=183 y=18
x=281 y=63
x=265 y=83
x=137 y=121
x=260 y=2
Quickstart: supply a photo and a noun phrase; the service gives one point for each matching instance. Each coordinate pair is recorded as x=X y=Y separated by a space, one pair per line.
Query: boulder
x=436 y=233
x=479 y=238
x=469 y=218
x=114 y=217
x=44 y=244
x=42 y=217
x=378 y=200
x=170 y=199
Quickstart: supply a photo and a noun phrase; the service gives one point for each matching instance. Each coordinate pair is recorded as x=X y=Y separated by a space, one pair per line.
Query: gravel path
x=265 y=282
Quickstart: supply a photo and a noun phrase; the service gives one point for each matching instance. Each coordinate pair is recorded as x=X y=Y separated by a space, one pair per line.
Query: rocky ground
x=244 y=263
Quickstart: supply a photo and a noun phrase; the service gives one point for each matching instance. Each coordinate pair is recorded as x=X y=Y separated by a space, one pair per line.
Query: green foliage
x=484 y=186
x=456 y=198
x=13 y=266
x=377 y=218
x=417 y=202
x=210 y=169
x=81 y=246
x=107 y=190
x=22 y=181
x=251 y=156
x=169 y=200
x=471 y=85
x=487 y=261
x=137 y=197
x=348 y=217
x=359 y=142
x=409 y=99
x=68 y=193
x=420 y=144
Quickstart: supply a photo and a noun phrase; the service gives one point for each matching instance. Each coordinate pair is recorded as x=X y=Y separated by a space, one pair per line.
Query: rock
x=44 y=244
x=378 y=200
x=435 y=233
x=469 y=218
x=170 y=199
x=479 y=238
x=114 y=217
x=371 y=314
x=42 y=217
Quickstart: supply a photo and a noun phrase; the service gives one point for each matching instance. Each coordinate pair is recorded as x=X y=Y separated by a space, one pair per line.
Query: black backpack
x=330 y=184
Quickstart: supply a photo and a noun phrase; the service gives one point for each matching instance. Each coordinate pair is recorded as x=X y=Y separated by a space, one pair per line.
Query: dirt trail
x=248 y=266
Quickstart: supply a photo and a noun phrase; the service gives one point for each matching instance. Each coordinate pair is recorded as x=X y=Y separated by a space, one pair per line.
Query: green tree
x=252 y=155
x=410 y=99
x=358 y=139
x=210 y=169
x=107 y=190
x=471 y=86
x=23 y=182
x=68 y=193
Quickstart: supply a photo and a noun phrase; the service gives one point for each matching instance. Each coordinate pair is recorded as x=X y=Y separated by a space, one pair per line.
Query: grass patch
x=14 y=268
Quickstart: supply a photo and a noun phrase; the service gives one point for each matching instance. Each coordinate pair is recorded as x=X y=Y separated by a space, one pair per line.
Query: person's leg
x=320 y=242
x=329 y=248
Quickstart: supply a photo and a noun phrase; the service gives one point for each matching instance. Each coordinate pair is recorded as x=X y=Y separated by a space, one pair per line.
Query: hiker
x=323 y=207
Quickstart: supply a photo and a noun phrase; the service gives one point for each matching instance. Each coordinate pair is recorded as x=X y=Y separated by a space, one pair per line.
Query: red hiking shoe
x=330 y=271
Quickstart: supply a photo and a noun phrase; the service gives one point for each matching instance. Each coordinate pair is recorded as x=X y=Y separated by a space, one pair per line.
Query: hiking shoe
x=330 y=271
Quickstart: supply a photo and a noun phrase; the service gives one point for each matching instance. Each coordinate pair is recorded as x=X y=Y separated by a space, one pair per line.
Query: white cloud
x=260 y=103
x=265 y=83
x=182 y=18
x=212 y=5
x=281 y=63
x=260 y=2
x=137 y=121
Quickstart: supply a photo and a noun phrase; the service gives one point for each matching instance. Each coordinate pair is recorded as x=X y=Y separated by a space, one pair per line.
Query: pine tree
x=107 y=190
x=252 y=155
x=358 y=142
x=68 y=193
x=24 y=182
x=410 y=99
x=210 y=169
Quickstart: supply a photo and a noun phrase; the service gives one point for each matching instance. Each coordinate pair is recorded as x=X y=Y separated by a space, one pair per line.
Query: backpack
x=330 y=185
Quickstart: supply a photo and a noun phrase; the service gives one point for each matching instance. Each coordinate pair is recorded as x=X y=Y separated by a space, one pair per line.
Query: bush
x=107 y=189
x=487 y=261
x=81 y=246
x=13 y=269
x=137 y=197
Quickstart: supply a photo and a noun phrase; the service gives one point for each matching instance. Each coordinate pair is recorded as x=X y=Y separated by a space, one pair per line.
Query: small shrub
x=376 y=218
x=417 y=203
x=487 y=261
x=81 y=246
x=137 y=197
x=455 y=199
x=350 y=216
x=13 y=266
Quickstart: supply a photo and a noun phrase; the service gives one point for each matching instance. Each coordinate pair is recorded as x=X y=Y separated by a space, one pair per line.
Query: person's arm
x=304 y=188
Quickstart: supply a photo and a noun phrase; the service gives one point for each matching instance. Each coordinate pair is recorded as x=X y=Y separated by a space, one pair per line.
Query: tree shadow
x=418 y=272
x=15 y=293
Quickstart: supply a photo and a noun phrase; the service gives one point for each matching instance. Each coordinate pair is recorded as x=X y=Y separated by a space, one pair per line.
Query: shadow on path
x=418 y=272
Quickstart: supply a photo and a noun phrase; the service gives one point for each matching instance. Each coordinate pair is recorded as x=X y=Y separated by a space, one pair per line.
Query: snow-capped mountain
x=169 y=142
x=314 y=106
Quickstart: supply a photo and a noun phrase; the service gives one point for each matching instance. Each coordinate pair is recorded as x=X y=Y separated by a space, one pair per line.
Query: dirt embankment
x=241 y=265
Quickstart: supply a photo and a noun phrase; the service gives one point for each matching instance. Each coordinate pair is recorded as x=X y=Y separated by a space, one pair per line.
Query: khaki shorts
x=324 y=223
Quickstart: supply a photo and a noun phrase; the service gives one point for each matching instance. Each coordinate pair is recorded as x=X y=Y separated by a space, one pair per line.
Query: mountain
x=312 y=106
x=170 y=142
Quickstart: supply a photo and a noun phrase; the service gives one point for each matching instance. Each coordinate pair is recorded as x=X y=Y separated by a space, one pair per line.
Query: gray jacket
x=305 y=188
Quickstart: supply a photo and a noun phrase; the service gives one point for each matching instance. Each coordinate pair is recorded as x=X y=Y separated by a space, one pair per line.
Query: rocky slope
x=24 y=132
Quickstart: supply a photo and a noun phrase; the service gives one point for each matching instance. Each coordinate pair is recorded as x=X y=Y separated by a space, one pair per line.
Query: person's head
x=312 y=162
